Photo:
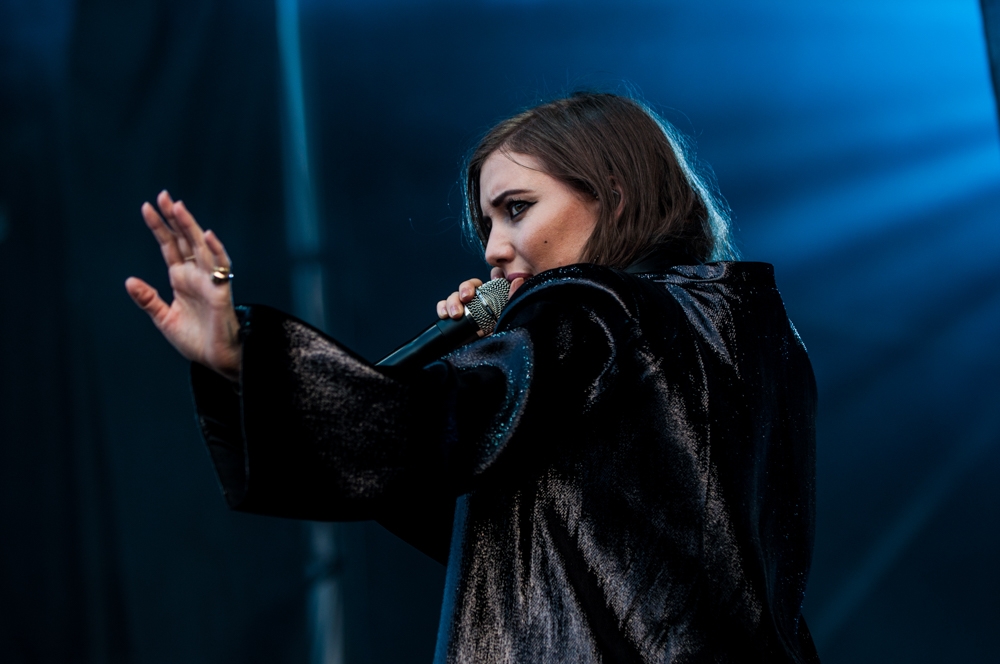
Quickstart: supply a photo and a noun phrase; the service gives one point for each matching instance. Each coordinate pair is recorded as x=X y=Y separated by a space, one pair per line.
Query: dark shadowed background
x=855 y=140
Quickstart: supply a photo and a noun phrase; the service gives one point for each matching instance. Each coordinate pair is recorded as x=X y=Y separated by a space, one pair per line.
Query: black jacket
x=622 y=472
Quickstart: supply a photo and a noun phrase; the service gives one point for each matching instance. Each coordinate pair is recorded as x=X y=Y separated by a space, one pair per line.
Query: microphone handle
x=433 y=343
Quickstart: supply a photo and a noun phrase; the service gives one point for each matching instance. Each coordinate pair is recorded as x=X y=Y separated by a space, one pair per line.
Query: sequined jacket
x=622 y=472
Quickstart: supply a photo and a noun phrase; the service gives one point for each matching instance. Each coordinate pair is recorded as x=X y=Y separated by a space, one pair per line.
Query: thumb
x=514 y=285
x=146 y=297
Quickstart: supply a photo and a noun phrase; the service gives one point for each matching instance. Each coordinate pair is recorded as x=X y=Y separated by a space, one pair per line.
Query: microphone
x=448 y=334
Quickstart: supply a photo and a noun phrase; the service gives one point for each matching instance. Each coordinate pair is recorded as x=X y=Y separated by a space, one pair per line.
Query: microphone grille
x=489 y=302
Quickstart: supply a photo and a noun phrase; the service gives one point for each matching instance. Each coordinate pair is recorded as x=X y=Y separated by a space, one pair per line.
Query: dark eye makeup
x=516 y=207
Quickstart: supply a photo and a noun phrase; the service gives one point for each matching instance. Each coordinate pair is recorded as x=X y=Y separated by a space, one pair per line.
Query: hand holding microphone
x=454 y=305
x=469 y=313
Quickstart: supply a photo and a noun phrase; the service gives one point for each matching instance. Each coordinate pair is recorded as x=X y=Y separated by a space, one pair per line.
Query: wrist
x=229 y=372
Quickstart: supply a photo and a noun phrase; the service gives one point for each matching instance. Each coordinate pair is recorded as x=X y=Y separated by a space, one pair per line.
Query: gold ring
x=222 y=274
x=189 y=258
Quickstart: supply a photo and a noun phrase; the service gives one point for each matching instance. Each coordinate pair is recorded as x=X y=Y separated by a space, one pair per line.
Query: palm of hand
x=200 y=321
x=198 y=308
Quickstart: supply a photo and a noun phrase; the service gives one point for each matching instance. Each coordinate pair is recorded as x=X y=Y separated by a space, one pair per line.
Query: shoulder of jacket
x=593 y=285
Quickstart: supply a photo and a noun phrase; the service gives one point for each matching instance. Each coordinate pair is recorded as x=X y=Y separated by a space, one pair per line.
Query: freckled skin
x=522 y=223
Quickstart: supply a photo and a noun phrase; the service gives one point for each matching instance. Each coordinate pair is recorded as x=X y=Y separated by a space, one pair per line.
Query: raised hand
x=454 y=305
x=200 y=321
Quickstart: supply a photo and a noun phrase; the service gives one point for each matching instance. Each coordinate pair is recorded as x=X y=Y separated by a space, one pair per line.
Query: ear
x=616 y=192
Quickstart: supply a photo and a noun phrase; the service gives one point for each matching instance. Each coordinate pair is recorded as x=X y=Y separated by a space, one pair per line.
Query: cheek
x=548 y=248
x=556 y=240
x=532 y=244
x=569 y=239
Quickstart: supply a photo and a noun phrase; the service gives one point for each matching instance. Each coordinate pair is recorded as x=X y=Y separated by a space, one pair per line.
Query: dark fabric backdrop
x=115 y=544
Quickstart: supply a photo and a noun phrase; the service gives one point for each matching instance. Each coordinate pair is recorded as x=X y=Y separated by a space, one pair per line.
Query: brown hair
x=605 y=145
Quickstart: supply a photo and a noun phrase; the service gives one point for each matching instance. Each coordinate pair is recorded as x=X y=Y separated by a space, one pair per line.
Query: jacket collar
x=660 y=258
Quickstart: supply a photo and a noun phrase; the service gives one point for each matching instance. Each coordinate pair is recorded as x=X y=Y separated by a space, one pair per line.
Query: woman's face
x=537 y=222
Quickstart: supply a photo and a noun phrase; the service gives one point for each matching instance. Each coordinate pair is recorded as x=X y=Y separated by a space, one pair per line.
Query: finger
x=148 y=299
x=442 y=309
x=455 y=307
x=165 y=201
x=219 y=256
x=191 y=231
x=164 y=236
x=467 y=289
x=514 y=285
x=186 y=251
x=166 y=205
x=496 y=273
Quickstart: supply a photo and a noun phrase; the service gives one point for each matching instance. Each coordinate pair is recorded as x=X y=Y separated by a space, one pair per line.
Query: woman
x=621 y=472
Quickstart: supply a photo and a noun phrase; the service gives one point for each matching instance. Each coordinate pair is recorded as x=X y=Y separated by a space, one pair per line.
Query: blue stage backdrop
x=855 y=140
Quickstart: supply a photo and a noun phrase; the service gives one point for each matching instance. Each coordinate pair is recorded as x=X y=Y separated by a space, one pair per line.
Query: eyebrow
x=510 y=192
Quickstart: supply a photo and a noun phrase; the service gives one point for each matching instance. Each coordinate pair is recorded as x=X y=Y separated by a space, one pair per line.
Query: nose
x=499 y=249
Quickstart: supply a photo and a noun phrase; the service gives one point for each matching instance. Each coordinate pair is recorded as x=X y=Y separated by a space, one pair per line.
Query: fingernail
x=465 y=293
x=453 y=310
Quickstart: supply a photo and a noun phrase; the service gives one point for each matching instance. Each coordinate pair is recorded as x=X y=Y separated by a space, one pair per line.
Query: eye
x=515 y=208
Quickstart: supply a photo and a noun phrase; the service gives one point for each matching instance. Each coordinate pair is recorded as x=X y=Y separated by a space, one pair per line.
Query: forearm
x=316 y=432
